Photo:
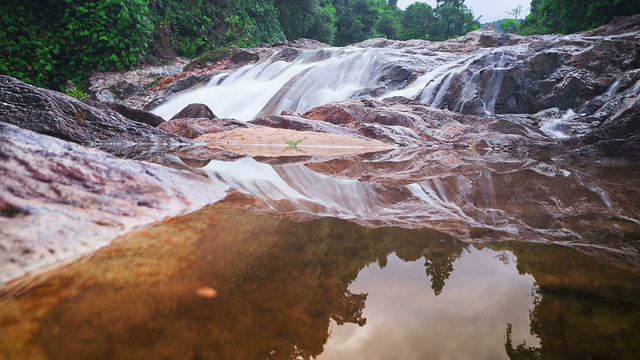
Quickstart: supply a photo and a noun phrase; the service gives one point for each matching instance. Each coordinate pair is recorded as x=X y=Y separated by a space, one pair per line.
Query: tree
x=511 y=26
x=516 y=11
x=324 y=28
x=568 y=16
x=452 y=18
x=297 y=16
x=417 y=20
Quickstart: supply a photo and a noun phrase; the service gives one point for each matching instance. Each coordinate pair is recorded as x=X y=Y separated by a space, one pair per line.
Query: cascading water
x=479 y=77
x=316 y=77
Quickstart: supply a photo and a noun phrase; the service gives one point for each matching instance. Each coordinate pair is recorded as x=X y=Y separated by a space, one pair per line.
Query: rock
x=301 y=124
x=406 y=122
x=618 y=137
x=620 y=25
x=131 y=87
x=491 y=37
x=195 y=111
x=190 y=81
x=192 y=128
x=531 y=74
x=130 y=113
x=52 y=113
x=59 y=200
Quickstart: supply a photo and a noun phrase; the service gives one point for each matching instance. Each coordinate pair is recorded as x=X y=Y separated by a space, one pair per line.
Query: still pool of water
x=475 y=269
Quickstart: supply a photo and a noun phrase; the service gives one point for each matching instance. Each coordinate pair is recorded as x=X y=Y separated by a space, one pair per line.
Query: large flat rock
x=60 y=200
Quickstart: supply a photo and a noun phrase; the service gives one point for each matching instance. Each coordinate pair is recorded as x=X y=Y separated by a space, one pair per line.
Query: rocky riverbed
x=541 y=100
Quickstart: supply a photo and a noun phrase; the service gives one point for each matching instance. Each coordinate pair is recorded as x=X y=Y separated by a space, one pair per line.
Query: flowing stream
x=317 y=77
x=409 y=253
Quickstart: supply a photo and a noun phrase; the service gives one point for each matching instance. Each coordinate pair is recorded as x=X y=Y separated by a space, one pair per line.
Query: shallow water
x=436 y=255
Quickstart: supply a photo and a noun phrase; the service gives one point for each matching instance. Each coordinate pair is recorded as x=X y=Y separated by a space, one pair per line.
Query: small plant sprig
x=77 y=93
x=293 y=144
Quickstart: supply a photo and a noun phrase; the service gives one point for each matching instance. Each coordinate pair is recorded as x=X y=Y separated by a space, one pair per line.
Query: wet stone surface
x=484 y=255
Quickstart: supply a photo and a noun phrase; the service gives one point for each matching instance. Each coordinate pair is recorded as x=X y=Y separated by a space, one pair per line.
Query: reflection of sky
x=468 y=320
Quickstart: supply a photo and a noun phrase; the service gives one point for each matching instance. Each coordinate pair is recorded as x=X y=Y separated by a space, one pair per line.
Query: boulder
x=192 y=128
x=294 y=122
x=407 y=122
x=130 y=113
x=618 y=137
x=60 y=200
x=195 y=111
x=53 y=113
x=620 y=25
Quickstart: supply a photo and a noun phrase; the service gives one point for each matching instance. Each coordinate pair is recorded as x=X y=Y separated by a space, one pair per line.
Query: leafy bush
x=50 y=42
x=510 y=25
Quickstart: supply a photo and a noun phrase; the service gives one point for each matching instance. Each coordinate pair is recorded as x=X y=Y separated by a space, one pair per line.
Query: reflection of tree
x=520 y=352
x=350 y=309
x=439 y=259
x=503 y=257
x=582 y=310
x=279 y=285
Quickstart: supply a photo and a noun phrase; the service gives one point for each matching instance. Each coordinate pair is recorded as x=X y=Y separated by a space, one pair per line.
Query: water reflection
x=326 y=288
x=474 y=197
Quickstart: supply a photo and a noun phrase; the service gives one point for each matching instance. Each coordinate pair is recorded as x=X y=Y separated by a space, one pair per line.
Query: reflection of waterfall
x=313 y=78
x=314 y=193
x=530 y=199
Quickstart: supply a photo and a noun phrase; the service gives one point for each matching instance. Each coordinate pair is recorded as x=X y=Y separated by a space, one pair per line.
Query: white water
x=484 y=78
x=553 y=127
x=271 y=86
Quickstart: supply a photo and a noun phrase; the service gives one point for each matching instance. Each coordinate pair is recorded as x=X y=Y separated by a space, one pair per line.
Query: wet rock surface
x=131 y=88
x=474 y=196
x=60 y=200
x=195 y=111
x=566 y=85
x=191 y=128
x=472 y=115
x=406 y=122
x=129 y=112
x=297 y=122
x=55 y=114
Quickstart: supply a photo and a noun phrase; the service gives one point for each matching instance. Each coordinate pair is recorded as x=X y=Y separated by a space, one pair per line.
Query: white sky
x=491 y=10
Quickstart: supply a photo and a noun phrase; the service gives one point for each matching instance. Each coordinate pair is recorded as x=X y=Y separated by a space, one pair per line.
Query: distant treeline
x=569 y=16
x=47 y=42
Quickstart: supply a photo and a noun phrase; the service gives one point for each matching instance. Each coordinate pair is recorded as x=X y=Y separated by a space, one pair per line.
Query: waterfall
x=480 y=77
x=315 y=77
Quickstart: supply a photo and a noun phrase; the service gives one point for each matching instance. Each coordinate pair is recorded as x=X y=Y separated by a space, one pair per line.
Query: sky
x=491 y=10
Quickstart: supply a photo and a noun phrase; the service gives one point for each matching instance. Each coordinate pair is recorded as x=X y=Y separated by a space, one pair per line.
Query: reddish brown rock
x=53 y=113
x=60 y=200
x=195 y=111
x=191 y=128
x=620 y=25
x=406 y=122
x=299 y=123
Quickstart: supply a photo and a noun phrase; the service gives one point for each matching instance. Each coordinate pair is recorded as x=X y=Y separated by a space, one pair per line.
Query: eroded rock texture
x=60 y=200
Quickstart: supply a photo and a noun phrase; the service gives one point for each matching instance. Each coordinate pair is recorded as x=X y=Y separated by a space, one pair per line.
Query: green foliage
x=50 y=42
x=194 y=27
x=417 y=21
x=358 y=20
x=77 y=93
x=568 y=16
x=452 y=18
x=293 y=145
x=510 y=25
